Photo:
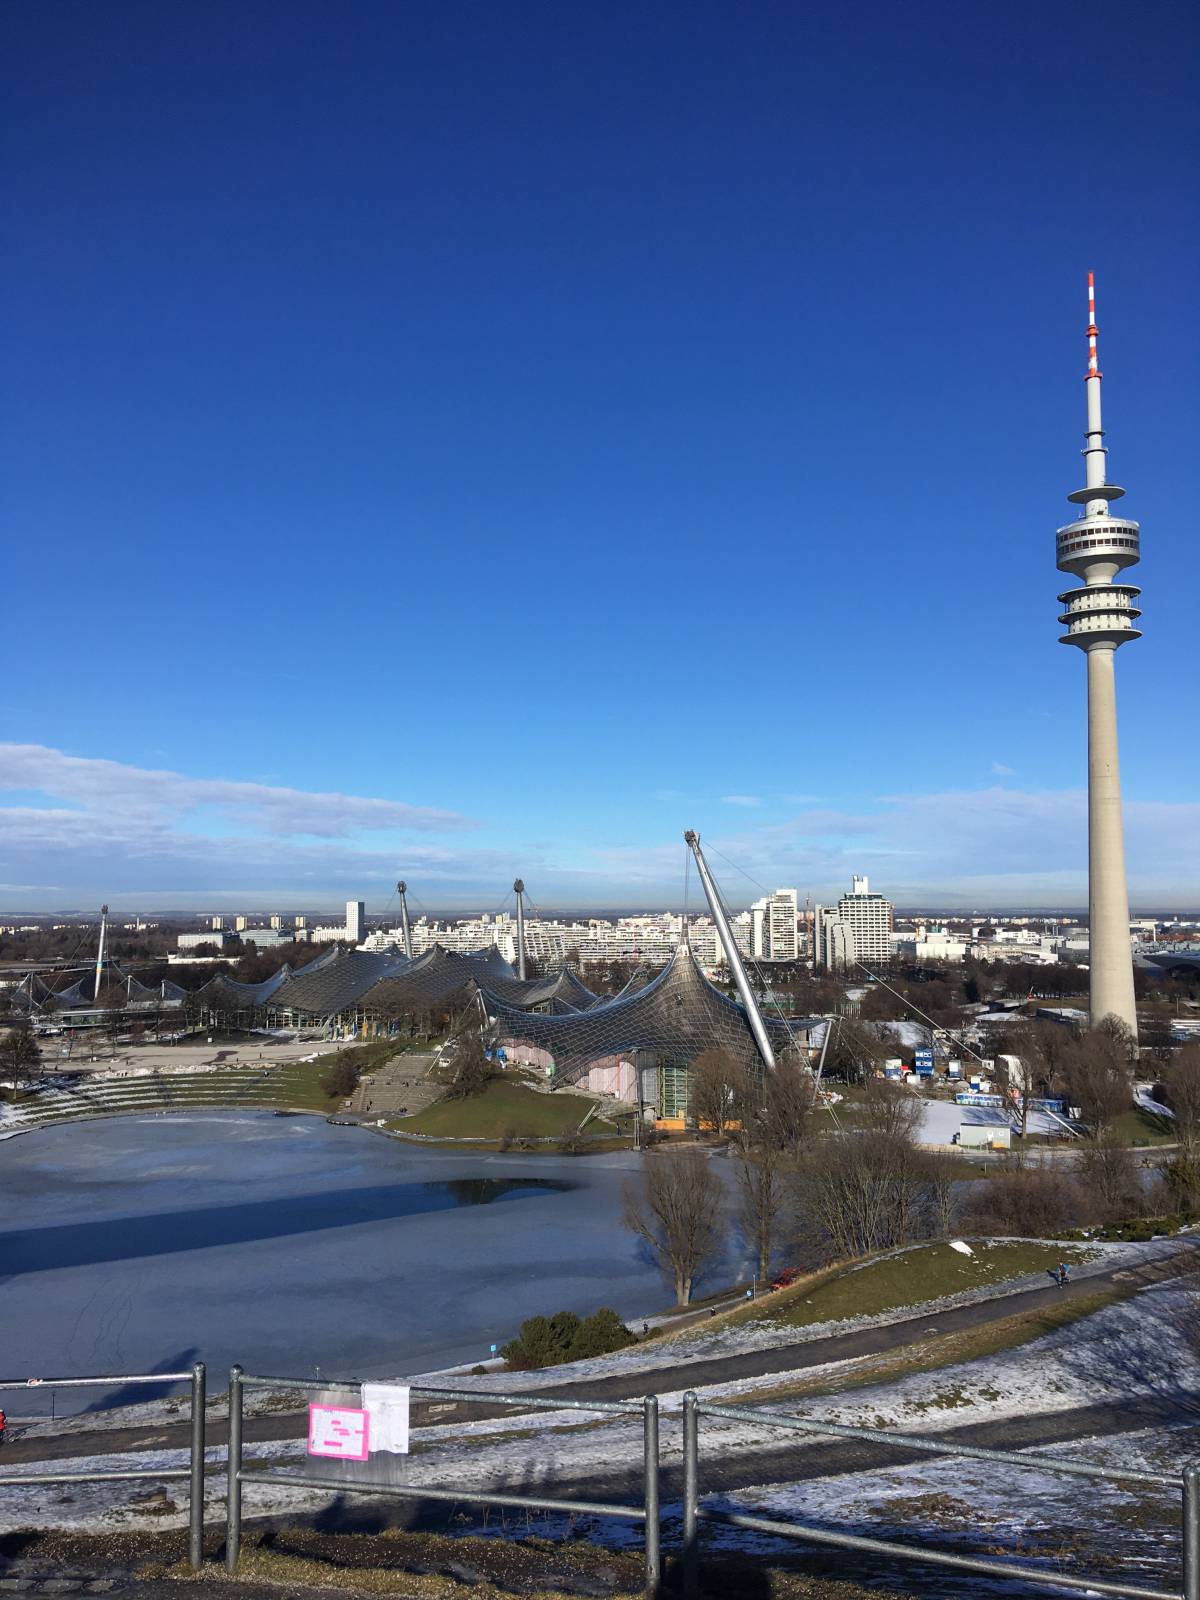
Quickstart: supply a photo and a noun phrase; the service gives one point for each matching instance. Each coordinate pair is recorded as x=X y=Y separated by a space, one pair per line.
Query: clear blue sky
x=447 y=439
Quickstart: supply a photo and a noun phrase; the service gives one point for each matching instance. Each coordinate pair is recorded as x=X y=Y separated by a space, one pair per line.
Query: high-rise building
x=773 y=927
x=781 y=925
x=240 y=924
x=859 y=930
x=277 y=921
x=216 y=923
x=869 y=918
x=1099 y=618
x=356 y=921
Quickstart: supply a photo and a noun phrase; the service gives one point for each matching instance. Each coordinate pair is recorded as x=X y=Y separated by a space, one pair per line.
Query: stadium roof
x=435 y=976
x=224 y=990
x=346 y=979
x=564 y=991
x=676 y=1016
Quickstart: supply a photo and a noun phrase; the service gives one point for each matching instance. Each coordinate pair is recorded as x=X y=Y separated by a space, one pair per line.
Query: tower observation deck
x=1099 y=617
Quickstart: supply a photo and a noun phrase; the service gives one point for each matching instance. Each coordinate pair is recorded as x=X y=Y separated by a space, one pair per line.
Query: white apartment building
x=859 y=930
x=774 y=925
x=356 y=921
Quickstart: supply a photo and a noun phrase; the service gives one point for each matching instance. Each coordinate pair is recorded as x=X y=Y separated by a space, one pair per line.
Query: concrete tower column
x=1108 y=897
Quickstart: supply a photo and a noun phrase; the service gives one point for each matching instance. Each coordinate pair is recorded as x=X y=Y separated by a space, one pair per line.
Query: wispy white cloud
x=80 y=829
x=747 y=800
x=1001 y=771
x=115 y=794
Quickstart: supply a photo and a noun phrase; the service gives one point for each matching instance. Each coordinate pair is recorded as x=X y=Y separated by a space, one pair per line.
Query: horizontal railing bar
x=908 y=1552
x=911 y=1441
x=94 y=1477
x=531 y=1402
x=586 y=1508
x=477 y=1396
x=84 y=1383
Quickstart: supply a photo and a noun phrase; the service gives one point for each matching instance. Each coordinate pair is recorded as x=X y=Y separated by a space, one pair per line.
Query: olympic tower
x=1099 y=618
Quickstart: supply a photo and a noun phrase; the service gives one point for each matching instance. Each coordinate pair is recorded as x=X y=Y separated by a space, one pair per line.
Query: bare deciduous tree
x=20 y=1056
x=761 y=1202
x=678 y=1209
x=783 y=1118
x=717 y=1091
x=1181 y=1082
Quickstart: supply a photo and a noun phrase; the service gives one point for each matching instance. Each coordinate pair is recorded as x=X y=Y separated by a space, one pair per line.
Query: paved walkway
x=672 y=1376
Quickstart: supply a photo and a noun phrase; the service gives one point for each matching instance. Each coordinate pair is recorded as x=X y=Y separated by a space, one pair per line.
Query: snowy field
x=1146 y=1347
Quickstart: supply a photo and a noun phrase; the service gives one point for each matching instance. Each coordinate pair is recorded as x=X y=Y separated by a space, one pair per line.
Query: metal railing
x=193 y=1472
x=648 y=1512
x=1187 y=1482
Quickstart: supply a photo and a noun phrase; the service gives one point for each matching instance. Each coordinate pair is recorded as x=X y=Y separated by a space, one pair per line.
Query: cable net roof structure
x=225 y=993
x=674 y=1017
x=378 y=980
x=565 y=992
x=434 y=977
x=82 y=993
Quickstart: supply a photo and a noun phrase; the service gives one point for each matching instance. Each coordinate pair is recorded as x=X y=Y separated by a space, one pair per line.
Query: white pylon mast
x=1099 y=619
x=519 y=891
x=732 y=954
x=100 y=952
x=402 y=891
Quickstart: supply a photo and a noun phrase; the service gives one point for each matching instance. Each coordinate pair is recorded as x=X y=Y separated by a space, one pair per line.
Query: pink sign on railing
x=339 y=1431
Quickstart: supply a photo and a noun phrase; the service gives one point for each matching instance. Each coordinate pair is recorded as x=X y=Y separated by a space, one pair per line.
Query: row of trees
x=831 y=1196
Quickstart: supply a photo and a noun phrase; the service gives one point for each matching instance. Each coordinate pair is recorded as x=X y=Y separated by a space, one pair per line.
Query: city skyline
x=437 y=390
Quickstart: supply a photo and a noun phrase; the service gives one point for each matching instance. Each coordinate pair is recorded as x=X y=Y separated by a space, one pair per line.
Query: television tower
x=1098 y=618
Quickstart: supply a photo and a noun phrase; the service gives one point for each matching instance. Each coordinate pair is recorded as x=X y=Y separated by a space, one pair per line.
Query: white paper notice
x=340 y=1431
x=387 y=1406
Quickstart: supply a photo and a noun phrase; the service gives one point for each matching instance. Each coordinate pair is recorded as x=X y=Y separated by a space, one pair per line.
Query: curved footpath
x=672 y=1376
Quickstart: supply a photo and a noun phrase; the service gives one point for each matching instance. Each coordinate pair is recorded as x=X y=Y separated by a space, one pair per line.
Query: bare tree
x=785 y=1108
x=471 y=1068
x=717 y=1090
x=761 y=1202
x=1097 y=1079
x=868 y=1191
x=1181 y=1083
x=891 y=1109
x=678 y=1209
x=20 y=1056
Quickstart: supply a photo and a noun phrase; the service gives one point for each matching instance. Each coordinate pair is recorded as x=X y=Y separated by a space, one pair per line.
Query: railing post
x=691 y=1497
x=233 y=1474
x=650 y=1473
x=196 y=1490
x=1191 y=1531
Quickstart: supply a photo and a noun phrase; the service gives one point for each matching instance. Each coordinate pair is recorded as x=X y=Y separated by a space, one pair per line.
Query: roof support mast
x=519 y=890
x=402 y=891
x=100 y=952
x=732 y=953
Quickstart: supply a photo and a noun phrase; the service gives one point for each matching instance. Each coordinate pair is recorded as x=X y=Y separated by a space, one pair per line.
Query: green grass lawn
x=1143 y=1127
x=505 y=1107
x=927 y=1272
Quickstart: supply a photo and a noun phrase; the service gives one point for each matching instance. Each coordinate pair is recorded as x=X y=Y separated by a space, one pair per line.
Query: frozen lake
x=142 y=1244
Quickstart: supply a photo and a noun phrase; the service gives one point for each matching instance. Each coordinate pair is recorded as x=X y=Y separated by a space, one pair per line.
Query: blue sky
x=451 y=439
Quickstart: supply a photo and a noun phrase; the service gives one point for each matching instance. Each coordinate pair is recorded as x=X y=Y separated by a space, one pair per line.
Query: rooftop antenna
x=402 y=891
x=100 y=951
x=732 y=953
x=519 y=891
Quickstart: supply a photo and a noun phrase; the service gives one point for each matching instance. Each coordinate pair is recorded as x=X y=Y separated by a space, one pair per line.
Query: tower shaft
x=1110 y=976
